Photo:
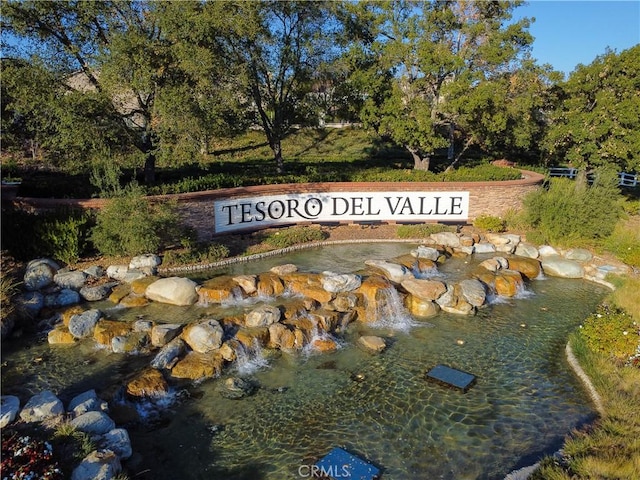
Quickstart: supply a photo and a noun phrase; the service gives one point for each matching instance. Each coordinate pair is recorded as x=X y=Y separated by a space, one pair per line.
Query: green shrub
x=490 y=223
x=197 y=254
x=62 y=234
x=422 y=230
x=293 y=236
x=624 y=243
x=569 y=212
x=132 y=225
x=481 y=173
x=611 y=331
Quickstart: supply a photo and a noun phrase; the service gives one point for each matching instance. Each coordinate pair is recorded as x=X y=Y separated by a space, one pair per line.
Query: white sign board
x=270 y=210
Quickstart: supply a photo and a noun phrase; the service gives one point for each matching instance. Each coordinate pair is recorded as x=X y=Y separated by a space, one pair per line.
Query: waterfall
x=391 y=313
x=250 y=360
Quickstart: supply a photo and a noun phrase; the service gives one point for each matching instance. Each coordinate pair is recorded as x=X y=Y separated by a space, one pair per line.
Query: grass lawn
x=311 y=155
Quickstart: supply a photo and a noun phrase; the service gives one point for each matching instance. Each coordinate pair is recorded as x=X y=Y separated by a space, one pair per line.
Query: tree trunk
x=150 y=168
x=451 y=149
x=148 y=148
x=419 y=162
x=276 y=147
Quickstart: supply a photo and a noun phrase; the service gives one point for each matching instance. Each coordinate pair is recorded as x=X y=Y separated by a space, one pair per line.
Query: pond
x=380 y=407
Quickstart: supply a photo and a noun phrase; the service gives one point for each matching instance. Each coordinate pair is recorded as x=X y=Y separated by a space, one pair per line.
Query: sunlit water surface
x=379 y=407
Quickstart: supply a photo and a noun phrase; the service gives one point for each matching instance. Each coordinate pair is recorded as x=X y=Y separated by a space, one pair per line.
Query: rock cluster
x=86 y=413
x=305 y=310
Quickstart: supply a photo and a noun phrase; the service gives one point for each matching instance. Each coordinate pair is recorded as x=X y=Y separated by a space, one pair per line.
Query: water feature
x=380 y=407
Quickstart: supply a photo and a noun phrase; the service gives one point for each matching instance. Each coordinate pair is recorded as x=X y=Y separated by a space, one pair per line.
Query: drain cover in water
x=450 y=377
x=339 y=464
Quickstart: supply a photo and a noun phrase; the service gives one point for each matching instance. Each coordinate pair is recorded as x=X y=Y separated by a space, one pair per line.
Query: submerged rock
x=372 y=343
x=236 y=388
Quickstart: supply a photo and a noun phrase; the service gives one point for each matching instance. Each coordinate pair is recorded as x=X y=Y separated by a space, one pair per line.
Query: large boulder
x=163 y=333
x=63 y=298
x=263 y=316
x=30 y=303
x=578 y=254
x=394 y=272
x=484 y=247
x=527 y=250
x=420 y=307
x=309 y=285
x=473 y=292
x=117 y=440
x=93 y=422
x=270 y=285
x=336 y=283
x=547 y=251
x=117 y=272
x=42 y=406
x=169 y=354
x=446 y=239
x=149 y=383
x=39 y=273
x=529 y=267
x=130 y=342
x=195 y=366
x=147 y=263
x=324 y=345
x=556 y=266
x=221 y=289
x=508 y=283
x=86 y=402
x=73 y=279
x=424 y=289
x=281 y=337
x=173 y=290
x=98 y=465
x=9 y=408
x=371 y=291
x=83 y=324
x=429 y=253
x=248 y=283
x=106 y=330
x=97 y=292
x=203 y=337
x=452 y=301
x=139 y=286
x=60 y=335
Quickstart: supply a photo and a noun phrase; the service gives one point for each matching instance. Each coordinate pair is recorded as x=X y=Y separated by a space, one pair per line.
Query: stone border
x=274 y=253
x=580 y=373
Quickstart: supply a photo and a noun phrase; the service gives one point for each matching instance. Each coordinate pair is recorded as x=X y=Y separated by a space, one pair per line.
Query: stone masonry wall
x=491 y=198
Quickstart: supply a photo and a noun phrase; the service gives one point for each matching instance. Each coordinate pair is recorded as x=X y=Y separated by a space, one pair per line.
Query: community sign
x=254 y=213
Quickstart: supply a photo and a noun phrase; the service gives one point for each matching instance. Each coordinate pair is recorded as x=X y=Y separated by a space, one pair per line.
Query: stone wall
x=491 y=198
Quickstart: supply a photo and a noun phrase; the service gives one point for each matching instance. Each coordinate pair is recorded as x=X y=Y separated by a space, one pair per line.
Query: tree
x=124 y=55
x=277 y=47
x=597 y=121
x=438 y=53
x=506 y=115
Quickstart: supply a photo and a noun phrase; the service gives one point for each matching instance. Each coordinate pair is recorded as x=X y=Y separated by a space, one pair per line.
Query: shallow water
x=379 y=407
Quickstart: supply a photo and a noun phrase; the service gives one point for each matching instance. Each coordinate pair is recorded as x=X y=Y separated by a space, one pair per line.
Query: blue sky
x=568 y=33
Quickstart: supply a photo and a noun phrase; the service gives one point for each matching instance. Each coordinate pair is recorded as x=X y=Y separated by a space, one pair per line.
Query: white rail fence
x=624 y=179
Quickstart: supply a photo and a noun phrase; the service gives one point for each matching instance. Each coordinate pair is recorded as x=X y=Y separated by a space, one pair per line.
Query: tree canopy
x=597 y=119
x=157 y=81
